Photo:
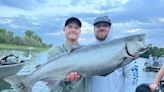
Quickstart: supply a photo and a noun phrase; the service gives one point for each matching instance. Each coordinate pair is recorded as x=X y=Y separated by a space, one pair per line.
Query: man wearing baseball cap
x=72 y=29
x=122 y=79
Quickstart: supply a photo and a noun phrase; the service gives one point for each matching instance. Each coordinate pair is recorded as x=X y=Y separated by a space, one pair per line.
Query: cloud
x=140 y=10
x=23 y=4
x=5 y=21
x=7 y=11
x=160 y=19
x=14 y=26
x=155 y=36
x=55 y=33
x=47 y=17
x=87 y=28
x=54 y=8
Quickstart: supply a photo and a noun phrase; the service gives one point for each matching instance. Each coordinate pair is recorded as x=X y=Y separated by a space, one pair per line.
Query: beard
x=101 y=38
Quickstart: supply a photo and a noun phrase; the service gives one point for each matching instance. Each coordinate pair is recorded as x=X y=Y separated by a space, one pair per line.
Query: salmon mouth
x=141 y=51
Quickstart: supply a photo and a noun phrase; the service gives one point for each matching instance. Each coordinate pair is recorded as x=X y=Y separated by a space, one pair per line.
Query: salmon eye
x=140 y=38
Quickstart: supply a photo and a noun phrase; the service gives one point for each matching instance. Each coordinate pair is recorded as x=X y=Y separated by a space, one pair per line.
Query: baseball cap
x=73 y=19
x=104 y=19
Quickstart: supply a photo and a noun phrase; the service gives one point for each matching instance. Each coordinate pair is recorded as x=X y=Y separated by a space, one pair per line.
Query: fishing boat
x=154 y=66
x=11 y=64
x=11 y=69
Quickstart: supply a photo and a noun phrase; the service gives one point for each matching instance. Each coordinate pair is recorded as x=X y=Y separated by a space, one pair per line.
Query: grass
x=17 y=47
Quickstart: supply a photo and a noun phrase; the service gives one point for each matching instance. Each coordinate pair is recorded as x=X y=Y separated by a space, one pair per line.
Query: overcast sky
x=47 y=17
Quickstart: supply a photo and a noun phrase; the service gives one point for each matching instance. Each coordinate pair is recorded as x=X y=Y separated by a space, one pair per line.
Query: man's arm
x=159 y=76
x=156 y=82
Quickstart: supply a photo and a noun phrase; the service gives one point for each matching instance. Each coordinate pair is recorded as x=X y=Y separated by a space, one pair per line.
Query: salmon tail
x=19 y=83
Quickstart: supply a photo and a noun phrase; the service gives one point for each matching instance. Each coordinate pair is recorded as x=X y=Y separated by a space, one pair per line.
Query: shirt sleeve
x=53 y=52
x=131 y=76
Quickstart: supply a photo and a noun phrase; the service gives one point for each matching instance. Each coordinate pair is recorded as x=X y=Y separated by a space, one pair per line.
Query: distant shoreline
x=18 y=47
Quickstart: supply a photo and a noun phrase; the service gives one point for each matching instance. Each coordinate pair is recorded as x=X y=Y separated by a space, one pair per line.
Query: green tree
x=29 y=33
x=9 y=36
x=2 y=35
x=18 y=40
x=29 y=39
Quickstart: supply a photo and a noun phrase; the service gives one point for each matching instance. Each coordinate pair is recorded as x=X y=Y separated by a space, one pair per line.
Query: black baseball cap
x=73 y=19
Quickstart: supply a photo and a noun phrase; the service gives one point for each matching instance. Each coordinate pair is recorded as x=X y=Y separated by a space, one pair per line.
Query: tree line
x=154 y=51
x=30 y=38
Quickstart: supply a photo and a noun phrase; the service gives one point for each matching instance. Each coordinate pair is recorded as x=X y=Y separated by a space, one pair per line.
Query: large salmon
x=96 y=59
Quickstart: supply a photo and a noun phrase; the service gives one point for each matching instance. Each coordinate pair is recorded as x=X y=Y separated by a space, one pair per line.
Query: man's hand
x=73 y=76
x=153 y=86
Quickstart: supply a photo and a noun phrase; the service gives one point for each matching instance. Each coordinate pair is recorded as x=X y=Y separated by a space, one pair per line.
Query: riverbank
x=16 y=47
